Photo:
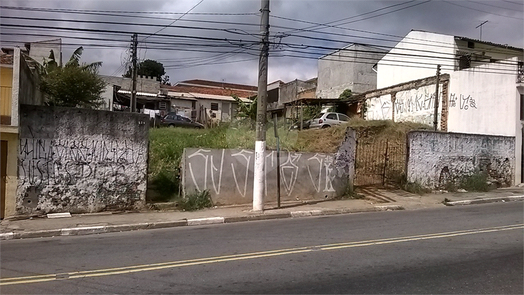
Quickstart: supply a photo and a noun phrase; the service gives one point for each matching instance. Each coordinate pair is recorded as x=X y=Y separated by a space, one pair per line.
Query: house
x=18 y=85
x=480 y=87
x=292 y=97
x=149 y=98
x=351 y=68
x=203 y=100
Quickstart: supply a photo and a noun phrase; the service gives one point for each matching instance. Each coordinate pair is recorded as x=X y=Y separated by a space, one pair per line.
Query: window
x=464 y=62
x=214 y=106
x=471 y=44
x=332 y=117
x=343 y=117
x=522 y=107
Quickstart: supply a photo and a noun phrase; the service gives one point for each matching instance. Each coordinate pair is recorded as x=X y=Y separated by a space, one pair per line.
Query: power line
x=480 y=10
x=513 y=2
x=167 y=46
x=125 y=24
x=328 y=24
x=491 y=5
x=122 y=11
x=174 y=20
x=396 y=10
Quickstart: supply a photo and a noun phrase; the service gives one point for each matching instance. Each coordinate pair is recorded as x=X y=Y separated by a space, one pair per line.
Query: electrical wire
x=174 y=20
x=480 y=10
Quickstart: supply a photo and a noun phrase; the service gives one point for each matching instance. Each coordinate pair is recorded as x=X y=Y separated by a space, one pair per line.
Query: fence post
x=385 y=163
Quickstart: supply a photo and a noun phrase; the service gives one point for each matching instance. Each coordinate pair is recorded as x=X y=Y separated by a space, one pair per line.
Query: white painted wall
x=411 y=105
x=483 y=100
x=379 y=108
x=416 y=57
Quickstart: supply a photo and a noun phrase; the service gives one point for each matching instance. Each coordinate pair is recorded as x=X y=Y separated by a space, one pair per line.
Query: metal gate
x=380 y=162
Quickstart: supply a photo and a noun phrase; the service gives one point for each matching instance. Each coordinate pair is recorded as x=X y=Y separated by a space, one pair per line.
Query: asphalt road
x=470 y=249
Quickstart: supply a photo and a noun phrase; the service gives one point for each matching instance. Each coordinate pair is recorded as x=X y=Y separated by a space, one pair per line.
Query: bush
x=477 y=182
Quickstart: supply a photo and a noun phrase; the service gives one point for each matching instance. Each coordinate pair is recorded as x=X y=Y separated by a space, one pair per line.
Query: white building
x=483 y=94
x=201 y=100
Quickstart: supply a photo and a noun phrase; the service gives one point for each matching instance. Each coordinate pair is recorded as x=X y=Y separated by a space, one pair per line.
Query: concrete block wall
x=228 y=173
x=436 y=159
x=79 y=160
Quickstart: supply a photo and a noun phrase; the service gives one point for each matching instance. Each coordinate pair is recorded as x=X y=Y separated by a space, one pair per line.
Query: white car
x=324 y=120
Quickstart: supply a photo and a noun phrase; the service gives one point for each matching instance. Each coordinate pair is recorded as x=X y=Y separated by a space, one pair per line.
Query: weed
x=195 y=201
x=476 y=182
x=415 y=188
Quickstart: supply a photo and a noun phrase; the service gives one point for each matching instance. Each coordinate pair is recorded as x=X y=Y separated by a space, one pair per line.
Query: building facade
x=480 y=89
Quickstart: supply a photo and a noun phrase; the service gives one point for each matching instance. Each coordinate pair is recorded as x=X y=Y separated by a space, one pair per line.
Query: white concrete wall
x=483 y=100
x=379 y=108
x=411 y=105
x=81 y=160
x=416 y=57
x=437 y=159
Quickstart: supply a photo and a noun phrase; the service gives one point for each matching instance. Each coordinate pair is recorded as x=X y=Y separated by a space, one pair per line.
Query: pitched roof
x=506 y=46
x=198 y=82
x=210 y=90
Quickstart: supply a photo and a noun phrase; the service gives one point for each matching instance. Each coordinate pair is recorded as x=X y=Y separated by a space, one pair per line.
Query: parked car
x=173 y=120
x=324 y=120
x=305 y=125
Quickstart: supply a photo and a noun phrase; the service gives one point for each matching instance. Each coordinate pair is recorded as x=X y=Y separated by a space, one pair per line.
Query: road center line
x=245 y=256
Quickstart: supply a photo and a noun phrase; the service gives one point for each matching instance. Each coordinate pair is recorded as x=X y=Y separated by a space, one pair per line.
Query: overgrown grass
x=195 y=201
x=167 y=145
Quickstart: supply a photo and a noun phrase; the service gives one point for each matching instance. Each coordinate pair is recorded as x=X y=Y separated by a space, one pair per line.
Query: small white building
x=203 y=100
x=481 y=93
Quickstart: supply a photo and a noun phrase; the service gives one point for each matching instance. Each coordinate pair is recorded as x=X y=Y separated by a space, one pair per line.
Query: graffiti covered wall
x=410 y=105
x=228 y=173
x=437 y=159
x=79 y=160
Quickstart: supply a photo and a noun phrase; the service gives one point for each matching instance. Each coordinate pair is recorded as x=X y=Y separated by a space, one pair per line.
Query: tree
x=150 y=68
x=346 y=95
x=72 y=85
x=247 y=110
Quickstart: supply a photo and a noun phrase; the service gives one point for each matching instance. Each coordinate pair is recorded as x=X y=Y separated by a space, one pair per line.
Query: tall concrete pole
x=260 y=143
x=133 y=72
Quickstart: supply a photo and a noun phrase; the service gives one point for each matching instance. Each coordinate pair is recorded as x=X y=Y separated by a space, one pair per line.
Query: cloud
x=224 y=34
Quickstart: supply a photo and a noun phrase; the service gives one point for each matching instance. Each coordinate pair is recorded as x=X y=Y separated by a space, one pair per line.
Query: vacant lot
x=167 y=145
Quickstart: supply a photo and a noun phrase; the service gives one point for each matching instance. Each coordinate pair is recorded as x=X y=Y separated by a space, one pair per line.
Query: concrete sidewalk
x=376 y=200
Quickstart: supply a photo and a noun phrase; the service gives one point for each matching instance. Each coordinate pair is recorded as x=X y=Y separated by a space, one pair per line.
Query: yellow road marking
x=245 y=256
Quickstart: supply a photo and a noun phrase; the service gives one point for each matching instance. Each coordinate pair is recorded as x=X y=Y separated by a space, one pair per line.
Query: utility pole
x=260 y=143
x=134 y=45
x=435 y=115
x=480 y=26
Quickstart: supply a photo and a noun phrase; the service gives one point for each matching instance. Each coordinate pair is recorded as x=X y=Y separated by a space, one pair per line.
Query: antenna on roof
x=480 y=26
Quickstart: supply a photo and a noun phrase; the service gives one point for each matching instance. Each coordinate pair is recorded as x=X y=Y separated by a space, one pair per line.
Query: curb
x=90 y=230
x=485 y=200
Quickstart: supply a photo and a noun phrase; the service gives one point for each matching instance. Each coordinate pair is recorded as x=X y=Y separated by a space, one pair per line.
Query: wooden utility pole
x=134 y=45
x=260 y=143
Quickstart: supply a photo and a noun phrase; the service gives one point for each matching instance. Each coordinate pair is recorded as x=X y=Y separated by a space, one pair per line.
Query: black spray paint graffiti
x=411 y=104
x=465 y=102
x=67 y=162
